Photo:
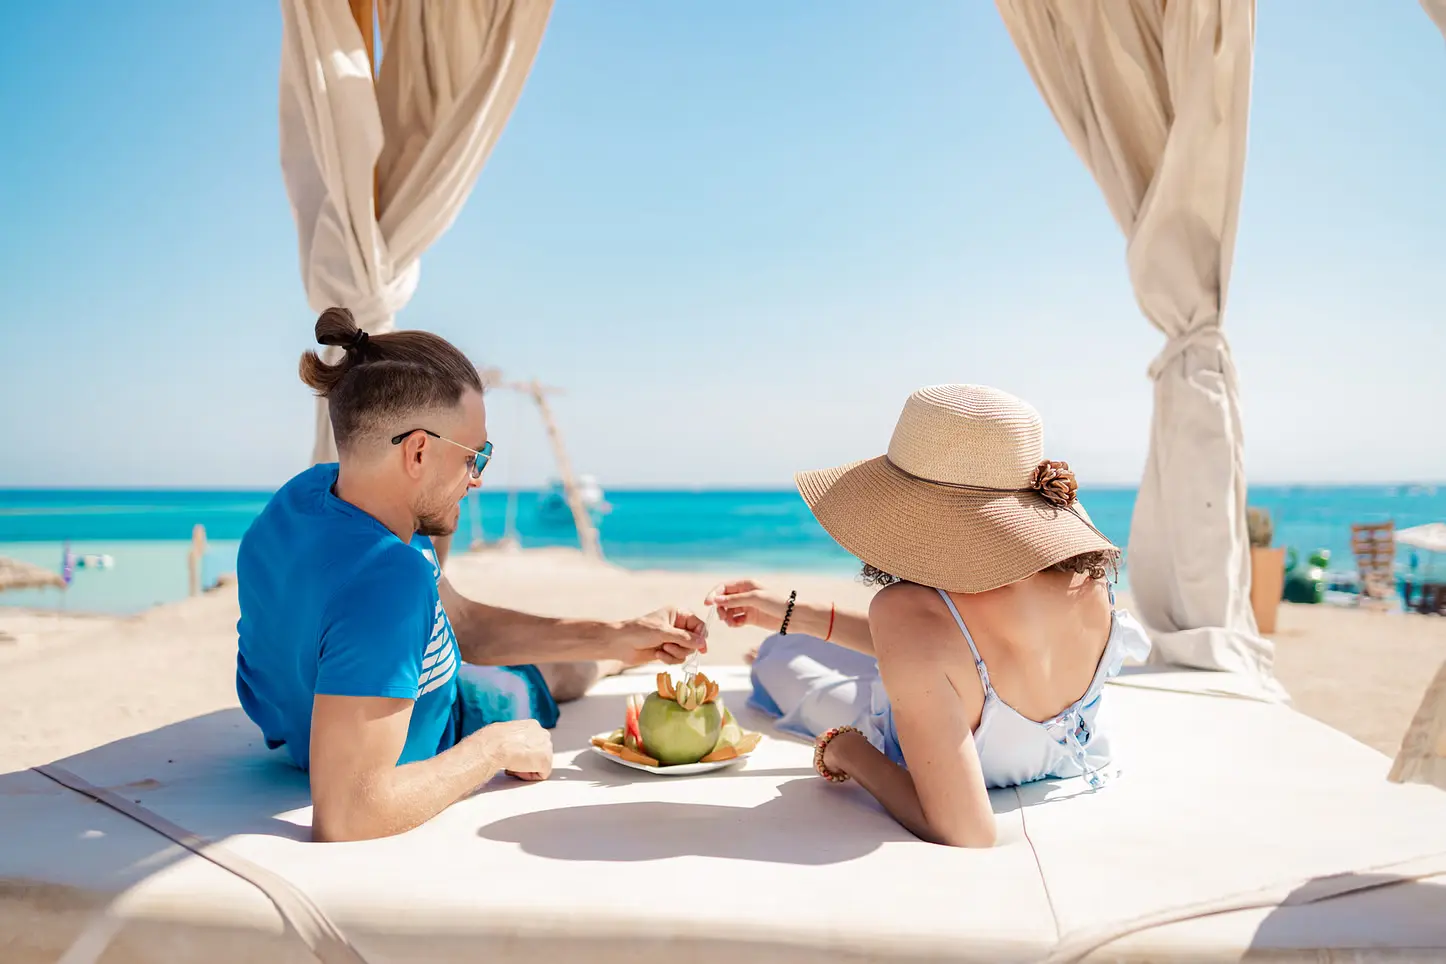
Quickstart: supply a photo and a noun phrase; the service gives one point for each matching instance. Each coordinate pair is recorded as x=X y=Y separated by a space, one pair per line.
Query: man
x=398 y=695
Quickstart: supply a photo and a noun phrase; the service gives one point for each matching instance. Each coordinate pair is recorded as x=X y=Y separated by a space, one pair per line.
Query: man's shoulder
x=386 y=575
x=393 y=558
x=310 y=539
x=305 y=491
x=302 y=496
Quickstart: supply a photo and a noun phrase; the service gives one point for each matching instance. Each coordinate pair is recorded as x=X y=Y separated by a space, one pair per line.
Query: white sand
x=68 y=683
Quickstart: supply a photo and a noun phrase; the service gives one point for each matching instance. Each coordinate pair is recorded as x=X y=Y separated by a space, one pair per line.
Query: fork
x=690 y=665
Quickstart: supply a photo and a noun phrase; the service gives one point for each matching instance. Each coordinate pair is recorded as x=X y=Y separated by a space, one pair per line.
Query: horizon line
x=674 y=488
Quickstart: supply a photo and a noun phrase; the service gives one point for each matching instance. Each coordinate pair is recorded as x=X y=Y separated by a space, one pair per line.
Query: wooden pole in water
x=586 y=533
x=195 y=556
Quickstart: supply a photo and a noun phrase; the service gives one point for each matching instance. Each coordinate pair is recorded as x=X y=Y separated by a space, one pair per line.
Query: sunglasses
x=477 y=459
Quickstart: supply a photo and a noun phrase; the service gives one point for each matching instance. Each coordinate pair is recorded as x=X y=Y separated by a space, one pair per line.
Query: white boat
x=552 y=506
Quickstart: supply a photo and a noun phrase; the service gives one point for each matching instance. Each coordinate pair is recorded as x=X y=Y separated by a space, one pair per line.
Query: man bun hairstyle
x=382 y=379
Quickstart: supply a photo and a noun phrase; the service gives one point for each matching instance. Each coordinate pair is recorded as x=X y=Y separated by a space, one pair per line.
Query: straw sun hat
x=964 y=500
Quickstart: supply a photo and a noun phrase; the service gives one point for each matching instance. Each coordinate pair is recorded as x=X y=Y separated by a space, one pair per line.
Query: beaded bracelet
x=788 y=613
x=832 y=776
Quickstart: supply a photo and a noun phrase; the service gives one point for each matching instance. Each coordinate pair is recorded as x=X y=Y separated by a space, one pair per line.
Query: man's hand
x=668 y=634
x=521 y=747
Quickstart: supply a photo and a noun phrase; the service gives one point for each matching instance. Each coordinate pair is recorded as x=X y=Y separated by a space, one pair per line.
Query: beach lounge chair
x=1239 y=827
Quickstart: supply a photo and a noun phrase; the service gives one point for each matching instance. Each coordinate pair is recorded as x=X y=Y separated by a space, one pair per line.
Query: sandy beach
x=72 y=682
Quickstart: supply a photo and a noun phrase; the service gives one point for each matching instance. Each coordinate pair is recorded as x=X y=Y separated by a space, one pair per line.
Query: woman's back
x=1028 y=664
x=1041 y=640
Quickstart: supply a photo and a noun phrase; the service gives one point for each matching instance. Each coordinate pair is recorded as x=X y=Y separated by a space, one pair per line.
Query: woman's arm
x=889 y=783
x=941 y=797
x=746 y=603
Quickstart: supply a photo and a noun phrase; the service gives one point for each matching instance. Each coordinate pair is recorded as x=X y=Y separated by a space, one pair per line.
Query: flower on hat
x=1055 y=481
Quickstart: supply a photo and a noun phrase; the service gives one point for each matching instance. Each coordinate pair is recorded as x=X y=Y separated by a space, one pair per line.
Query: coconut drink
x=679 y=724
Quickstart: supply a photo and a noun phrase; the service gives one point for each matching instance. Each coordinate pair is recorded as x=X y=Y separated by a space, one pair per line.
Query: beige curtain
x=451 y=73
x=1155 y=96
x=1436 y=9
x=1422 y=757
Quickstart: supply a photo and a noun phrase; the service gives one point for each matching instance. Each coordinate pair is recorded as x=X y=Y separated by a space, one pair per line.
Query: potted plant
x=1267 y=568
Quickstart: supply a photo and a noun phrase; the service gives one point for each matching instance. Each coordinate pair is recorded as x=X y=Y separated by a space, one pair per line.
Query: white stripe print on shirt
x=439 y=663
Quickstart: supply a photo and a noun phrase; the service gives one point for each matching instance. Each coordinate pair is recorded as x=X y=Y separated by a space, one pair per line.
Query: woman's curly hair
x=1097 y=565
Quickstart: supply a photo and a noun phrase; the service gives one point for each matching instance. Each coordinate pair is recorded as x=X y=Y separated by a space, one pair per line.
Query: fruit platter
x=678 y=729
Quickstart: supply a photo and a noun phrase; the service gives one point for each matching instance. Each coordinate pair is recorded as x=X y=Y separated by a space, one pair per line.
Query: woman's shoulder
x=902 y=601
x=906 y=611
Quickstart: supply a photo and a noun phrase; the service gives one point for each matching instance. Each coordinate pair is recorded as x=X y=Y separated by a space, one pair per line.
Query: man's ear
x=412 y=450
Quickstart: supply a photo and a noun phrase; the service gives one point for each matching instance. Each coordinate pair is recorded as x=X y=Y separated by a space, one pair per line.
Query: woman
x=982 y=660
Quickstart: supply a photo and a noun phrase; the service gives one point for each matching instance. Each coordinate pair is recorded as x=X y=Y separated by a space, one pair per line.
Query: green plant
x=1260 y=527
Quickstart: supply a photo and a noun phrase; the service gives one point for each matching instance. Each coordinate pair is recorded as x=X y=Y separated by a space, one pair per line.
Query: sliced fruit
x=749 y=743
x=636 y=757
x=630 y=721
x=721 y=754
x=731 y=734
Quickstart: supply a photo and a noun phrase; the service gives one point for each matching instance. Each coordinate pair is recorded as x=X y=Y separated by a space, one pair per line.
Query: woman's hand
x=746 y=603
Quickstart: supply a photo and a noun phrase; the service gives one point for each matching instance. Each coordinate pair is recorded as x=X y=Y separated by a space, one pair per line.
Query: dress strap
x=969 y=638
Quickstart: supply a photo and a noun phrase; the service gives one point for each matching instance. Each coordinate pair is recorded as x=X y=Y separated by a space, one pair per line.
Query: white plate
x=681 y=770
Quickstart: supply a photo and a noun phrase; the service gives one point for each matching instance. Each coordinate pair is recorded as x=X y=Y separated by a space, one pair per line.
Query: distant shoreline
x=147 y=531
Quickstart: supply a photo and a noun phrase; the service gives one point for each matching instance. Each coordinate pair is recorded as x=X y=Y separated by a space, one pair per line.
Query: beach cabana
x=380 y=150
x=1153 y=96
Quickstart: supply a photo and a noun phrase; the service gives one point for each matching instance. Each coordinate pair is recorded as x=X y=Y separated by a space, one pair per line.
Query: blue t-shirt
x=332 y=602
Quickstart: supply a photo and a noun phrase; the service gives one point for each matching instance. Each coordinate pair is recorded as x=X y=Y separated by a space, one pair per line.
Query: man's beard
x=436 y=527
x=437 y=520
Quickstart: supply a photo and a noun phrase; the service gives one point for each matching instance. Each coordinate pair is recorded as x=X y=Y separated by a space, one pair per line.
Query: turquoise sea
x=147 y=532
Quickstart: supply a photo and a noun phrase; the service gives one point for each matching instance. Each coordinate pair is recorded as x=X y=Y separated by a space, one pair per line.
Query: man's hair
x=383 y=378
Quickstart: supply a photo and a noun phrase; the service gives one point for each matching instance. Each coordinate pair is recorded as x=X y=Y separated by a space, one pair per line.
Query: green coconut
x=673 y=735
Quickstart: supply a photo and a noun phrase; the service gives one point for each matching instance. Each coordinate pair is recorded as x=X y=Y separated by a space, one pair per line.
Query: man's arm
x=493 y=636
x=359 y=793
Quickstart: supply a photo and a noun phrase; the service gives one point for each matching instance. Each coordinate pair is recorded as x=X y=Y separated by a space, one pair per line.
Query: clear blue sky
x=738 y=234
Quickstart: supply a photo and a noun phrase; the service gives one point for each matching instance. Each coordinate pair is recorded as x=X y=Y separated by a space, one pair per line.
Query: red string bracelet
x=831 y=611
